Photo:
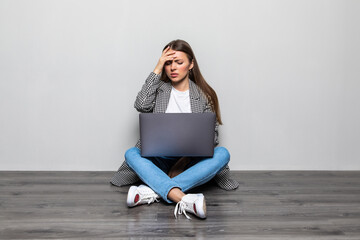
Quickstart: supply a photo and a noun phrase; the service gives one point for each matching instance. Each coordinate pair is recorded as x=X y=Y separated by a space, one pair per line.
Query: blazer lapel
x=196 y=106
x=162 y=98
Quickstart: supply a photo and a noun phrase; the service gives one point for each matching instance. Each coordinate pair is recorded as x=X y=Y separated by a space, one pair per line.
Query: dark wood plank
x=267 y=205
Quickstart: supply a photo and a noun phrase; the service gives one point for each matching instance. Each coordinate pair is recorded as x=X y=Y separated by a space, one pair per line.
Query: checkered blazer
x=154 y=97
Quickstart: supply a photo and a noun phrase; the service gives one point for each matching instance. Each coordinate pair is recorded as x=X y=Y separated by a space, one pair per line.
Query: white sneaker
x=193 y=203
x=141 y=195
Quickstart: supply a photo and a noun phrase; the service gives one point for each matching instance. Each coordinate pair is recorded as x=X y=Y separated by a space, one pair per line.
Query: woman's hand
x=166 y=56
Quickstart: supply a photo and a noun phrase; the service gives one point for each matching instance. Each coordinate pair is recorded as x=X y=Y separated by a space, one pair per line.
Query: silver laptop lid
x=177 y=134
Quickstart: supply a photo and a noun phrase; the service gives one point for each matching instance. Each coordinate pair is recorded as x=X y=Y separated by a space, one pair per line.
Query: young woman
x=175 y=85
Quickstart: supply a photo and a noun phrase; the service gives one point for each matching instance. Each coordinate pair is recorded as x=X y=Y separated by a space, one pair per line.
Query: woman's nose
x=173 y=65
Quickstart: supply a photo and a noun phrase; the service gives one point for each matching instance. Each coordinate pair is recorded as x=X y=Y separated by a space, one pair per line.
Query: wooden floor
x=267 y=205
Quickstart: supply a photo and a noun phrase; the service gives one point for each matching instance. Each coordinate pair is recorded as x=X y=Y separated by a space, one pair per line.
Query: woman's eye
x=167 y=63
x=180 y=63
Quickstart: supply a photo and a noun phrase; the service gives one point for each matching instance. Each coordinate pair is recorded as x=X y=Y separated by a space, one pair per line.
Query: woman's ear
x=191 y=65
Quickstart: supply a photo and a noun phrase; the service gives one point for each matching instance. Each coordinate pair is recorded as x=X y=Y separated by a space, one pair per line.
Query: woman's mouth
x=174 y=74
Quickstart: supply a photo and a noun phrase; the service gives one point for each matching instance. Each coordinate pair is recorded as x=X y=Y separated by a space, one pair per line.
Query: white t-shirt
x=179 y=102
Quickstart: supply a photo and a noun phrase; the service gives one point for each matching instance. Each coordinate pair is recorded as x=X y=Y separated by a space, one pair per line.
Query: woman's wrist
x=156 y=71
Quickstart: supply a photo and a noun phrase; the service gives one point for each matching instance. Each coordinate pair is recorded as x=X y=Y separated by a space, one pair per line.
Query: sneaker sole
x=130 y=197
x=201 y=214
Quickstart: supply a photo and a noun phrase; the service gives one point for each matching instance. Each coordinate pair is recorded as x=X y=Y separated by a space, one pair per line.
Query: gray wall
x=286 y=73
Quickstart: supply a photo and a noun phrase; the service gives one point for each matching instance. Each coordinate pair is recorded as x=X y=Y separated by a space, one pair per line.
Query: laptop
x=177 y=134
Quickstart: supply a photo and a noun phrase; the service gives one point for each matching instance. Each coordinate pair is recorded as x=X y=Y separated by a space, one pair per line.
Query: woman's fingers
x=166 y=50
x=167 y=53
x=165 y=56
x=170 y=54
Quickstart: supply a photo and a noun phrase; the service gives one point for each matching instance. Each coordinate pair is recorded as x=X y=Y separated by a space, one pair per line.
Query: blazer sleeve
x=145 y=99
x=216 y=139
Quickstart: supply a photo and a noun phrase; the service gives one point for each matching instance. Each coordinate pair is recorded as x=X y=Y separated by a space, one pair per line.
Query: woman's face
x=178 y=68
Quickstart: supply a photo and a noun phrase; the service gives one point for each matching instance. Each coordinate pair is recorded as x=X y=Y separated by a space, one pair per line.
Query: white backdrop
x=286 y=73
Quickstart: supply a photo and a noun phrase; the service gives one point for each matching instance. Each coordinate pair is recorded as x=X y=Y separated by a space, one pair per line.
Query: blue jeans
x=153 y=170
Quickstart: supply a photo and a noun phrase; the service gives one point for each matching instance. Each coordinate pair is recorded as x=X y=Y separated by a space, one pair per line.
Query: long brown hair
x=195 y=75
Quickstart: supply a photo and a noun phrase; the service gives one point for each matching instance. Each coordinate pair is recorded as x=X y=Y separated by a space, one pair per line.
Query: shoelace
x=180 y=209
x=151 y=199
x=148 y=196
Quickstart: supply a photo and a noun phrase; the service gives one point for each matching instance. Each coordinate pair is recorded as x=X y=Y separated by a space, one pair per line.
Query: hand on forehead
x=178 y=54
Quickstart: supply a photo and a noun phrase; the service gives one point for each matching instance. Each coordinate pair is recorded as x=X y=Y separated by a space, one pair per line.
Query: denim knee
x=128 y=154
x=223 y=154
